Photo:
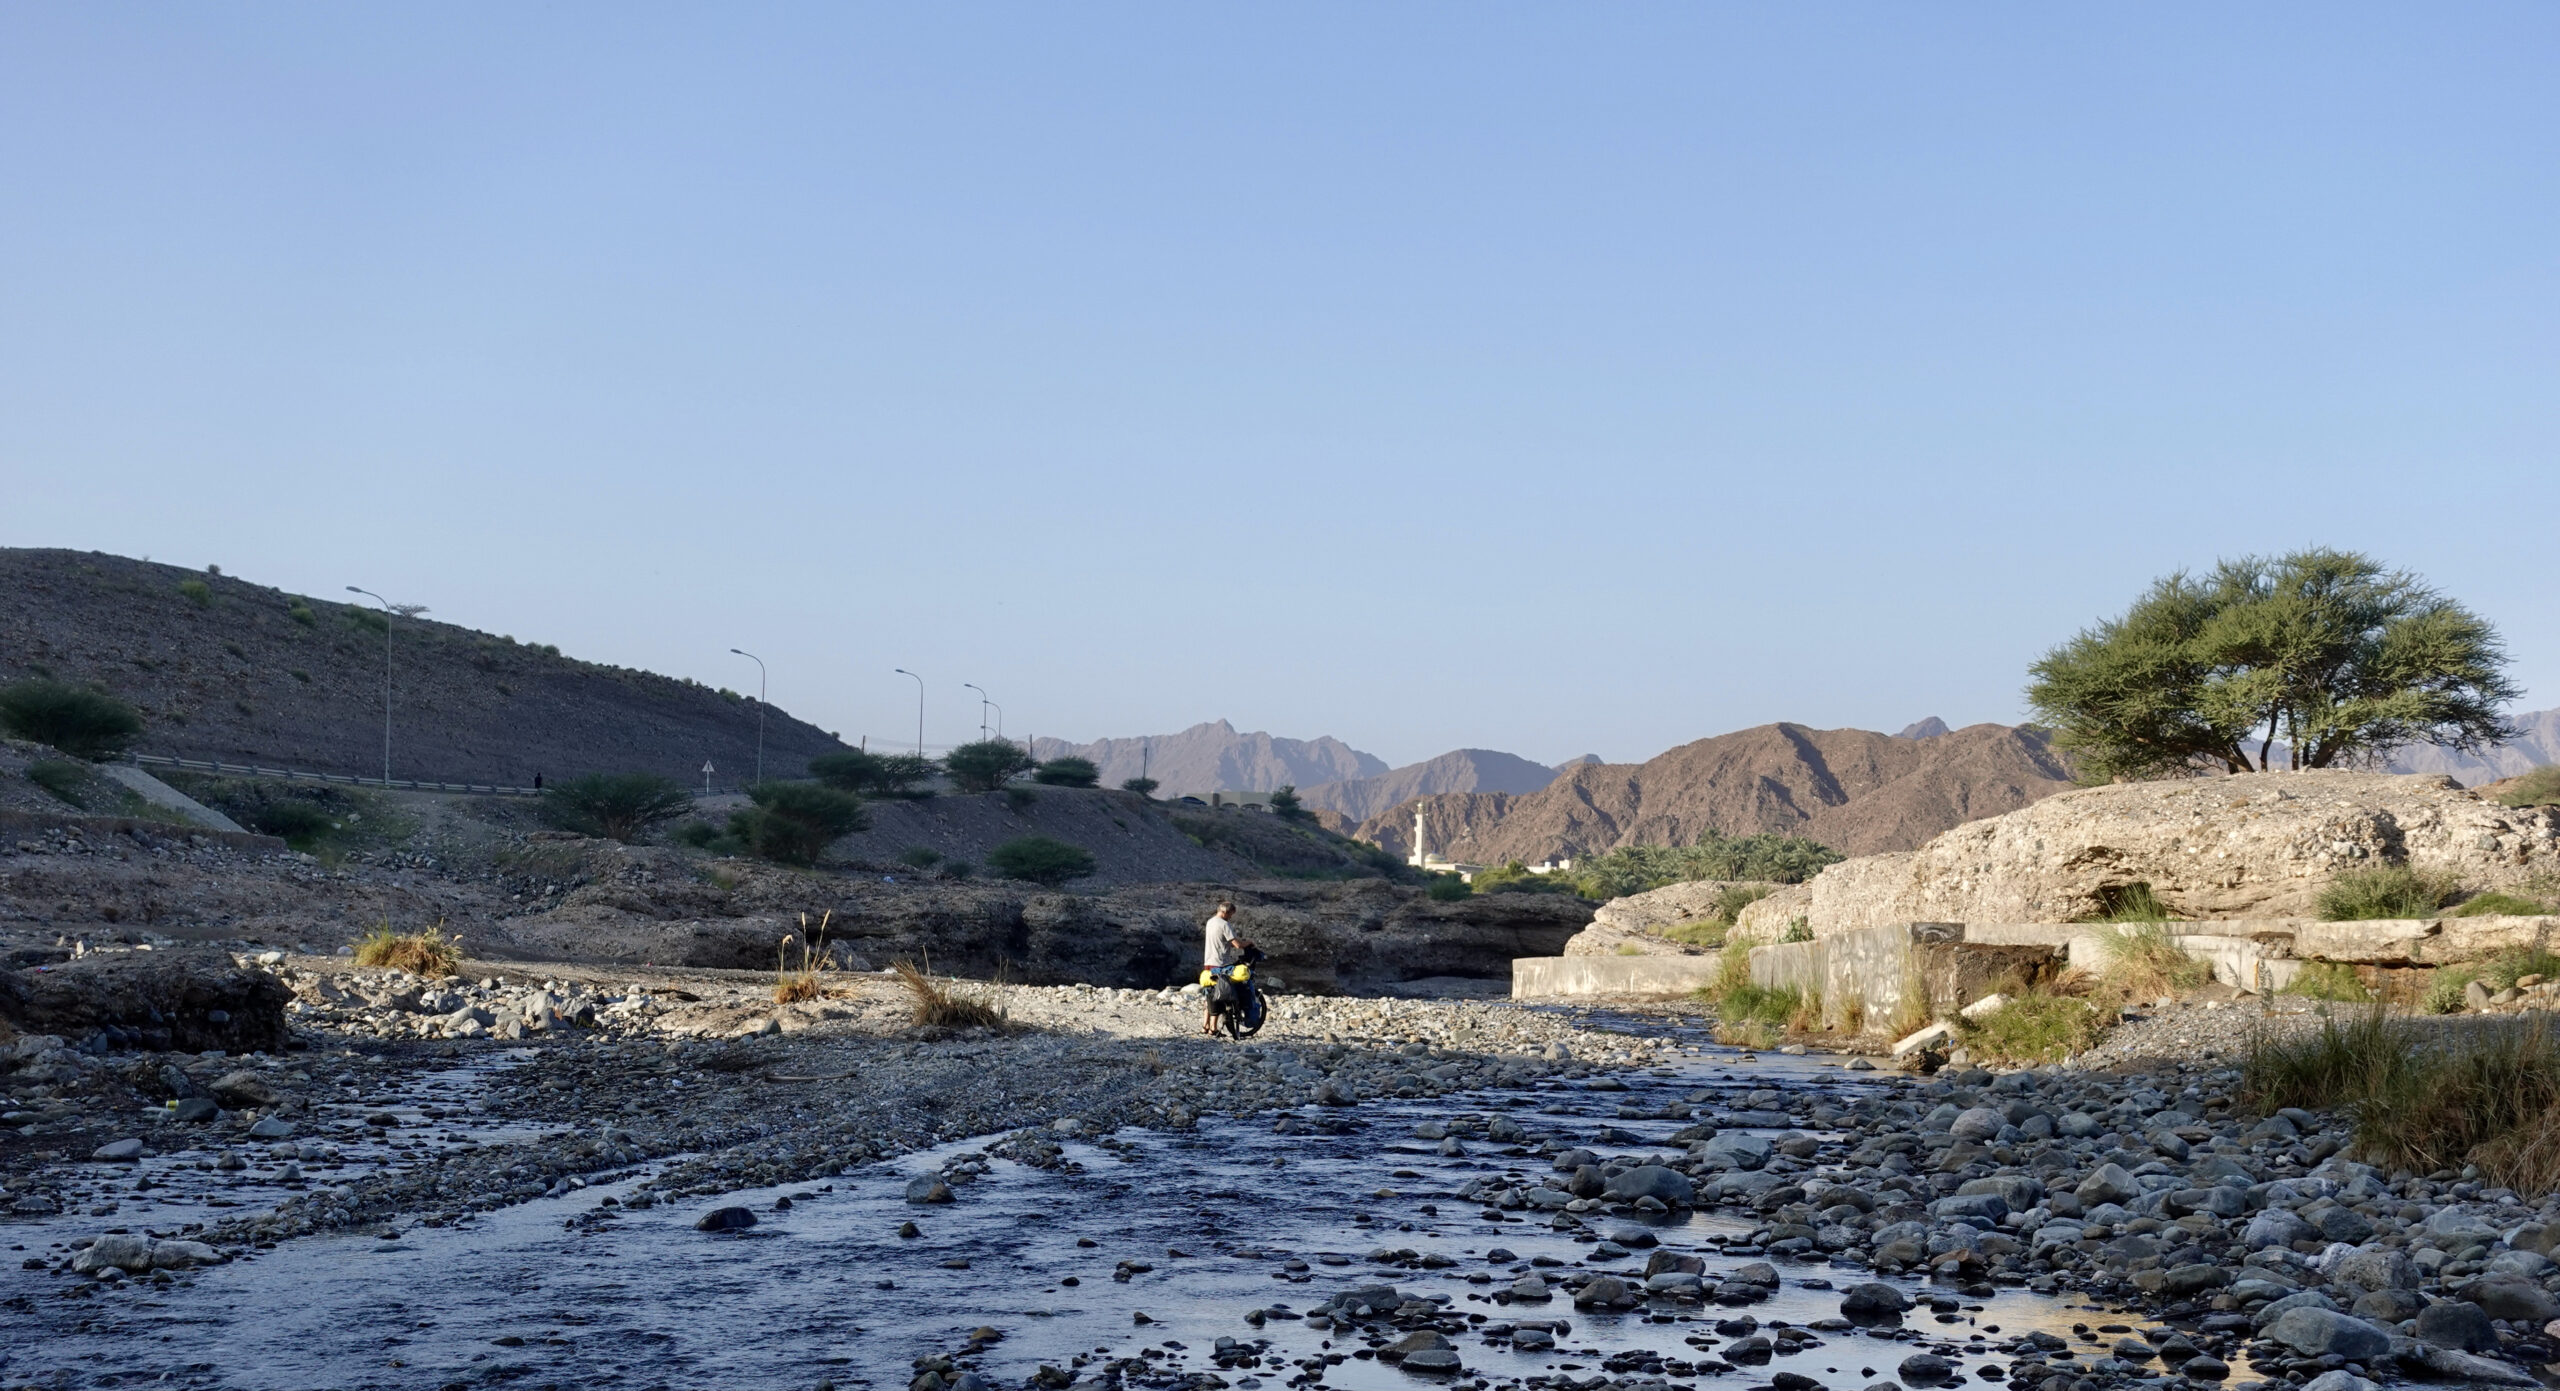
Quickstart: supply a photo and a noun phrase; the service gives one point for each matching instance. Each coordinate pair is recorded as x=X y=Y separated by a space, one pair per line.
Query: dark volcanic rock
x=188 y=1000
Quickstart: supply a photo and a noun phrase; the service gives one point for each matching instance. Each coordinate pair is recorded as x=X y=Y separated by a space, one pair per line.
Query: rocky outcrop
x=189 y=1000
x=2261 y=845
x=1633 y=925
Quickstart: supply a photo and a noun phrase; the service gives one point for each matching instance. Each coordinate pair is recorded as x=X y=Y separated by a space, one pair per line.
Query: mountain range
x=1214 y=757
x=1854 y=790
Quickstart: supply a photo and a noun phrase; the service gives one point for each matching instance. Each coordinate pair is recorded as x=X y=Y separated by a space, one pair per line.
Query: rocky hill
x=2260 y=845
x=1854 y=790
x=1459 y=770
x=1214 y=757
x=2537 y=742
x=238 y=672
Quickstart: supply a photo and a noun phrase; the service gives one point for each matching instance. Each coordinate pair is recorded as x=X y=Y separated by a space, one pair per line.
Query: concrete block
x=1544 y=977
x=1922 y=1038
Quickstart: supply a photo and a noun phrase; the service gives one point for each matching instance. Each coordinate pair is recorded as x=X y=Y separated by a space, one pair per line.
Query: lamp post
x=983 y=703
x=902 y=671
x=760 y=689
x=389 y=611
x=999 y=719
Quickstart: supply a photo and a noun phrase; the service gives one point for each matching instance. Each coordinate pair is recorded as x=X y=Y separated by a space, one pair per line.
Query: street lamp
x=389 y=610
x=902 y=671
x=999 y=719
x=983 y=703
x=760 y=687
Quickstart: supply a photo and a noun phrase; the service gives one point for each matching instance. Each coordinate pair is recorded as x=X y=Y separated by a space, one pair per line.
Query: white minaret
x=1421 y=846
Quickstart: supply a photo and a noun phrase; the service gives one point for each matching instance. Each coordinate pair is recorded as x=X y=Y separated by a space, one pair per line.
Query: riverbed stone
x=2458 y=1324
x=2319 y=1332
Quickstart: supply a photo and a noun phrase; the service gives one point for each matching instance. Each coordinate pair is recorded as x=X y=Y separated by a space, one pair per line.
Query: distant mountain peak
x=1929 y=728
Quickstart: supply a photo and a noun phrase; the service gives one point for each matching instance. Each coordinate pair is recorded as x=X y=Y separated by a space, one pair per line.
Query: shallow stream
x=573 y=1291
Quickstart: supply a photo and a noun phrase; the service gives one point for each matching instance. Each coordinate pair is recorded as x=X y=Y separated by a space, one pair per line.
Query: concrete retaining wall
x=1541 y=977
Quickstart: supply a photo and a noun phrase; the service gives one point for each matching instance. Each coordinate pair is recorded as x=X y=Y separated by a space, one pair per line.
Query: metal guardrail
x=194 y=765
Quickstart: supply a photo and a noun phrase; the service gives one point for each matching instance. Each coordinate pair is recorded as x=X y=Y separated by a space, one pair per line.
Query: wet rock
x=244 y=1090
x=2458 y=1324
x=1873 y=1300
x=2506 y=1297
x=2340 y=1380
x=183 y=1255
x=2463 y=1366
x=1733 y=1152
x=2205 y=1368
x=928 y=1188
x=131 y=1254
x=1606 y=1291
x=2319 y=1332
x=118 y=1152
x=196 y=1110
x=2187 y=1281
x=1925 y=1369
x=726 y=1219
x=1531 y=1289
x=1668 y=1186
x=269 y=1128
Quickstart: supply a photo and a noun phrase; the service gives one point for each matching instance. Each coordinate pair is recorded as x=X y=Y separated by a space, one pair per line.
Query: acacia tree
x=987 y=764
x=2322 y=656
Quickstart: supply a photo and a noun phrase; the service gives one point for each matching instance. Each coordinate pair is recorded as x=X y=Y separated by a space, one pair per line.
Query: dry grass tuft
x=2144 y=964
x=938 y=1007
x=804 y=978
x=2428 y=1097
x=433 y=953
x=2037 y=1025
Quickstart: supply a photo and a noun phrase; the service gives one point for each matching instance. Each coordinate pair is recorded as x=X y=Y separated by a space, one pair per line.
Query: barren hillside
x=1459 y=770
x=1214 y=757
x=1855 y=790
x=224 y=669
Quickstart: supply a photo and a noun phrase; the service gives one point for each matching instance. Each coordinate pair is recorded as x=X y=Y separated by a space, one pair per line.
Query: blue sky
x=1555 y=379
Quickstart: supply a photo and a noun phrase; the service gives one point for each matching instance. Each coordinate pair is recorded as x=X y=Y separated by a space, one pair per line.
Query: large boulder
x=190 y=1000
x=2261 y=845
x=2315 y=1332
x=1637 y=920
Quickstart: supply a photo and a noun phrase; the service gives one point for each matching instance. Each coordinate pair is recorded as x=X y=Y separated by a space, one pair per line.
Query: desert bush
x=1765 y=858
x=1286 y=805
x=2128 y=903
x=59 y=776
x=792 y=823
x=1041 y=860
x=2539 y=788
x=874 y=774
x=703 y=835
x=1798 y=930
x=1144 y=787
x=1751 y=1015
x=2328 y=980
x=2500 y=904
x=2445 y=985
x=938 y=1007
x=431 y=953
x=297 y=823
x=617 y=806
x=1448 y=888
x=301 y=613
x=1069 y=771
x=1516 y=878
x=958 y=869
x=1019 y=800
x=2034 y=1027
x=2383 y=891
x=2144 y=964
x=196 y=592
x=920 y=857
x=801 y=965
x=80 y=722
x=986 y=765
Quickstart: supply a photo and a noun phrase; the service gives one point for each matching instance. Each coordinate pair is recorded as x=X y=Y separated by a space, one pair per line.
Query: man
x=1217 y=952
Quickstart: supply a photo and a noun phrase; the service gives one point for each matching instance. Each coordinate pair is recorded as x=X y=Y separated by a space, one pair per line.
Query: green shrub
x=61 y=777
x=1448 y=888
x=874 y=774
x=298 y=823
x=2500 y=904
x=197 y=592
x=82 y=723
x=2328 y=980
x=2501 y=972
x=1018 y=800
x=1040 y=859
x=792 y=823
x=1286 y=805
x=1765 y=858
x=1067 y=772
x=301 y=613
x=1798 y=930
x=920 y=857
x=2427 y=1096
x=2383 y=891
x=2129 y=903
x=986 y=765
x=617 y=806
x=1144 y=787
x=958 y=869
x=2034 y=1027
x=2539 y=788
x=2144 y=963
x=373 y=621
x=1516 y=878
x=702 y=835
